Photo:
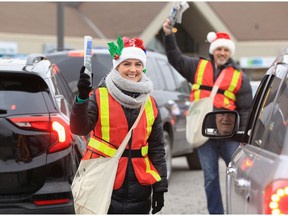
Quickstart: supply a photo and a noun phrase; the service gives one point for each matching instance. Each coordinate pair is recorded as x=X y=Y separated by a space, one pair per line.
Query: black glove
x=84 y=84
x=157 y=202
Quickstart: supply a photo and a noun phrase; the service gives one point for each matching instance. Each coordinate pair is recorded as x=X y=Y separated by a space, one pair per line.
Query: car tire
x=168 y=153
x=193 y=161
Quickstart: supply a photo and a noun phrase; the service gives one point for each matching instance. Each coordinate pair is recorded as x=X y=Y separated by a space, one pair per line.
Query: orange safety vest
x=230 y=85
x=110 y=130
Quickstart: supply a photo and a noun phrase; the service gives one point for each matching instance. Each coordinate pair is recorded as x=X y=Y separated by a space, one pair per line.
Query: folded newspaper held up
x=88 y=57
x=176 y=12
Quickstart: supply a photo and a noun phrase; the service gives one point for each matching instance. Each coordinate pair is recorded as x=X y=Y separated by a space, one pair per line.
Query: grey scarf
x=116 y=83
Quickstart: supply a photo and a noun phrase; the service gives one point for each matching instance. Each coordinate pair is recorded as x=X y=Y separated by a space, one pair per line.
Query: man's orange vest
x=203 y=83
x=112 y=127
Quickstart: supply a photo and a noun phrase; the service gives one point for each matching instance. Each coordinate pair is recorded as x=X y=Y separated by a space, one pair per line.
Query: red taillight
x=76 y=54
x=54 y=124
x=55 y=68
x=63 y=131
x=51 y=202
x=276 y=197
x=246 y=164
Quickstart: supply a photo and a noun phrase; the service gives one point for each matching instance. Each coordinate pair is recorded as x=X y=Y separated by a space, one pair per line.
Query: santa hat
x=220 y=39
x=127 y=49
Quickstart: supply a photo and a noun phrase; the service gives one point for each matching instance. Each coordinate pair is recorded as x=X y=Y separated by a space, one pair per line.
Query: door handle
x=242 y=184
x=231 y=171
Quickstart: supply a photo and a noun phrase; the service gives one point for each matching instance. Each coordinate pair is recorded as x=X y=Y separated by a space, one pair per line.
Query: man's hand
x=167 y=27
x=84 y=85
x=157 y=202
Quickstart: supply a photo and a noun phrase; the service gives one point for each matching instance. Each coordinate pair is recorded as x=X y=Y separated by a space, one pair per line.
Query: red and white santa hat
x=220 y=39
x=133 y=49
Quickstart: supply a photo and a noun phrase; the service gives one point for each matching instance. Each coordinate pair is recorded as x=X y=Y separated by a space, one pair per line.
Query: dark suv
x=171 y=92
x=38 y=154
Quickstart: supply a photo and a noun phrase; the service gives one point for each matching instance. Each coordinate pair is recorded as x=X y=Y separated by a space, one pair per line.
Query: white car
x=257 y=176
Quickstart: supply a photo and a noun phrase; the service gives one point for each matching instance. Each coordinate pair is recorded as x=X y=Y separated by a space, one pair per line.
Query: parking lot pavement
x=186 y=193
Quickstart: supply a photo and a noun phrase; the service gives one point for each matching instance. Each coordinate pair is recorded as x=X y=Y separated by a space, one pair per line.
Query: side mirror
x=220 y=124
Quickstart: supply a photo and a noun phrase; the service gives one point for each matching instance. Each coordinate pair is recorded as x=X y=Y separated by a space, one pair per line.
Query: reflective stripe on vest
x=151 y=171
x=104 y=104
x=101 y=147
x=105 y=142
x=199 y=79
x=230 y=85
x=149 y=117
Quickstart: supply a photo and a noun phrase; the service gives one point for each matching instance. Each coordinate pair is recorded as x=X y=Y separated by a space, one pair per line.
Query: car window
x=154 y=73
x=181 y=83
x=63 y=94
x=23 y=95
x=64 y=87
x=101 y=66
x=167 y=75
x=268 y=132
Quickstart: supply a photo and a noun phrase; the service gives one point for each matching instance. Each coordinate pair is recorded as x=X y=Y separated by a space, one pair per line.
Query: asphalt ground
x=186 y=193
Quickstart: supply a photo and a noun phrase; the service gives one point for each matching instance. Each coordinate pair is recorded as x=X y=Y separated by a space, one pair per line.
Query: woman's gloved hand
x=84 y=84
x=157 y=202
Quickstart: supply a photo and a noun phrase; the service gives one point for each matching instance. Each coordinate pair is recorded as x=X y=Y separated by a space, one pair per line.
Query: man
x=234 y=94
x=225 y=123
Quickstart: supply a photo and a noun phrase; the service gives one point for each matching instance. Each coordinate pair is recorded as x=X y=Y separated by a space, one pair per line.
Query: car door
x=254 y=164
x=176 y=98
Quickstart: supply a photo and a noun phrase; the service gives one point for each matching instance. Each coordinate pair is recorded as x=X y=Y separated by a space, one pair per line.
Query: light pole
x=60 y=26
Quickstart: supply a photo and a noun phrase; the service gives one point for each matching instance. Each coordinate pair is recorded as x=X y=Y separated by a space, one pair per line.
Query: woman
x=109 y=113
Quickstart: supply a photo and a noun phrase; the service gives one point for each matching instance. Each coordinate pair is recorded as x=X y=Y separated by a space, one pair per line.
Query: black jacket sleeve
x=84 y=116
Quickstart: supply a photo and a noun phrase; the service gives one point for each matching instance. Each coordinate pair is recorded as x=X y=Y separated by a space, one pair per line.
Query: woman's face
x=131 y=69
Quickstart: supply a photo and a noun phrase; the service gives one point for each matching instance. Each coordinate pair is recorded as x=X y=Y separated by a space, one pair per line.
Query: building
x=258 y=28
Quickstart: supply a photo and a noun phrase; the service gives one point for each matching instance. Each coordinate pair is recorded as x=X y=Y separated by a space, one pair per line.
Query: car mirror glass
x=220 y=124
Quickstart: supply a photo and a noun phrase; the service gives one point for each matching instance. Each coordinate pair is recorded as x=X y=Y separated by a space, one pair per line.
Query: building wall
x=32 y=25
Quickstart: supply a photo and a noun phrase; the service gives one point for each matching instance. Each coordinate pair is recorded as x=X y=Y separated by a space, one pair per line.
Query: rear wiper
x=3 y=111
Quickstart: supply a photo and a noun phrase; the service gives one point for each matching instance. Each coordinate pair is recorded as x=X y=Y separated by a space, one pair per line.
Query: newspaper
x=88 y=56
x=176 y=12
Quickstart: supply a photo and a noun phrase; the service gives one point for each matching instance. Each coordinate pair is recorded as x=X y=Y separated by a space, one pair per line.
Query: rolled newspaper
x=176 y=12
x=88 y=56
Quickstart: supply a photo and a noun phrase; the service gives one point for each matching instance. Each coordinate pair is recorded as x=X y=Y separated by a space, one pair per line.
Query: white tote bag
x=195 y=116
x=194 y=119
x=93 y=183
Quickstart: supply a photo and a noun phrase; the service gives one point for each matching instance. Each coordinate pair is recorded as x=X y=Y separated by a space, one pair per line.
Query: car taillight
x=276 y=197
x=51 y=202
x=54 y=124
x=76 y=54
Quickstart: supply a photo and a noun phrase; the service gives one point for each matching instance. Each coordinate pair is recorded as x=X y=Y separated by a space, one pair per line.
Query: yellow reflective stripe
x=230 y=95
x=195 y=86
x=229 y=92
x=226 y=102
x=149 y=116
x=201 y=70
x=102 y=147
x=144 y=151
x=152 y=172
x=104 y=114
x=234 y=80
x=199 y=78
